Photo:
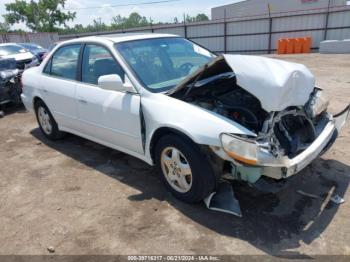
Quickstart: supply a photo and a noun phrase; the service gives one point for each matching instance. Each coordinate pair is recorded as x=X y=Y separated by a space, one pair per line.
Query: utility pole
x=185 y=27
x=151 y=24
x=270 y=29
x=36 y=14
x=327 y=20
x=225 y=32
x=99 y=26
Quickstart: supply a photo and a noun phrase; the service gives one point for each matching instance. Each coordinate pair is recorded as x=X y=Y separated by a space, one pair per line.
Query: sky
x=164 y=12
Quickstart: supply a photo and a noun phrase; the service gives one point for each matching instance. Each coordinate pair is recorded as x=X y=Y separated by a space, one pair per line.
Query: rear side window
x=98 y=61
x=64 y=62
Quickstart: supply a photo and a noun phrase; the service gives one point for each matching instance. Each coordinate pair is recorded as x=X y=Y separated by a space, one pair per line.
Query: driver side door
x=107 y=116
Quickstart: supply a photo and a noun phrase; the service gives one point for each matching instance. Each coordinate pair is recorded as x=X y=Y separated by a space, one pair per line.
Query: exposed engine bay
x=282 y=114
x=285 y=133
x=228 y=100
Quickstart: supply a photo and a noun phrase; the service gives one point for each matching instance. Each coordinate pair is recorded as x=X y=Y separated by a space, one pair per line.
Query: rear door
x=59 y=82
x=109 y=116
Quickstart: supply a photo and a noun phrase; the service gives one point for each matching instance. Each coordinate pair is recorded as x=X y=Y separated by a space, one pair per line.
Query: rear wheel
x=185 y=170
x=47 y=123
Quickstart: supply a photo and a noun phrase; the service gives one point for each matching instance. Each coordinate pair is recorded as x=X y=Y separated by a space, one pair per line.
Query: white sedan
x=197 y=116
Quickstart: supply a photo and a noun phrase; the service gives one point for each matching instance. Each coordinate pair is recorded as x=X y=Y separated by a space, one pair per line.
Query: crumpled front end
x=268 y=156
x=275 y=100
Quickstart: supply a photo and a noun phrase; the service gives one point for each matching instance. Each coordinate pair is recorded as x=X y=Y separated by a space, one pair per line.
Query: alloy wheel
x=176 y=169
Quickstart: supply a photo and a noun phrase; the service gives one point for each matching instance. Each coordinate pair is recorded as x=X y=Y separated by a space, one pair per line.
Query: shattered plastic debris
x=308 y=194
x=224 y=200
x=337 y=199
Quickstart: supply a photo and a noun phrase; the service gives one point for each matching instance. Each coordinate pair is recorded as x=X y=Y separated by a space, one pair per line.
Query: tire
x=47 y=123
x=188 y=188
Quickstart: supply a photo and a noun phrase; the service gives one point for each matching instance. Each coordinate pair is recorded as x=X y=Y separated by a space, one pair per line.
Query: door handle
x=45 y=91
x=82 y=101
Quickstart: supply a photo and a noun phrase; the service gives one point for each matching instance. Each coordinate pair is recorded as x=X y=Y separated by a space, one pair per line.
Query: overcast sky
x=164 y=12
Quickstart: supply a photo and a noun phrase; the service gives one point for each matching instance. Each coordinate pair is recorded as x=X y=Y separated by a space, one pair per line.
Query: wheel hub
x=176 y=169
x=44 y=120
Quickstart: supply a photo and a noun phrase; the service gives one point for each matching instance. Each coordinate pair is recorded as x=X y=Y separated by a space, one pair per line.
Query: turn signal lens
x=242 y=150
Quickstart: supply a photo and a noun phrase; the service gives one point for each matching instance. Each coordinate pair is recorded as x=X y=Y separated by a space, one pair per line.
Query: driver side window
x=98 y=61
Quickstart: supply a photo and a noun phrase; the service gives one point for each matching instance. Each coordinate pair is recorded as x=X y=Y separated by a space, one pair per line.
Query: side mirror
x=114 y=83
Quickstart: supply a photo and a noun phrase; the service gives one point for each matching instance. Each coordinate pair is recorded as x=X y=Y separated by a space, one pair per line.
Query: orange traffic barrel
x=307 y=45
x=282 y=46
x=290 y=45
x=298 y=45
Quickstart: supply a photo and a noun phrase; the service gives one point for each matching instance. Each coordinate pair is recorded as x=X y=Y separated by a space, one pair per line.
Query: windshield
x=162 y=63
x=11 y=50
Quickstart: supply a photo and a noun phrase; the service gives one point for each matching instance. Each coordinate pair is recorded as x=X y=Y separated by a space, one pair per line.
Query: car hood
x=277 y=84
x=20 y=56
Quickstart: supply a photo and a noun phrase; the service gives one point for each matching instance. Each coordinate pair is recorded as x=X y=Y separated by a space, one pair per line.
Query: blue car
x=37 y=50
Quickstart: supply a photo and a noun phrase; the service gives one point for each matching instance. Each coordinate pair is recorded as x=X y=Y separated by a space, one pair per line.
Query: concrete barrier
x=335 y=47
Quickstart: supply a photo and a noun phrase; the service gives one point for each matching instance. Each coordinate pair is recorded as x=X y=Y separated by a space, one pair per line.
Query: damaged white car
x=200 y=118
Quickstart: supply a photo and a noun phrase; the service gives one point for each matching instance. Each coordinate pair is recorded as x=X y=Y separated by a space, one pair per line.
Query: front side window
x=64 y=62
x=162 y=63
x=98 y=61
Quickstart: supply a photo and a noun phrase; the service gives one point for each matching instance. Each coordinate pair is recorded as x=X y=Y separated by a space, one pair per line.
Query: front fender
x=202 y=126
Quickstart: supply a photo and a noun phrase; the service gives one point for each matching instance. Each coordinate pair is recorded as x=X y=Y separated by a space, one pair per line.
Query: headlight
x=317 y=104
x=3 y=75
x=238 y=148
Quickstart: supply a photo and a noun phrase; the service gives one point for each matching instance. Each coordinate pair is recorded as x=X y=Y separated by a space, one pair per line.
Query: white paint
x=112 y=118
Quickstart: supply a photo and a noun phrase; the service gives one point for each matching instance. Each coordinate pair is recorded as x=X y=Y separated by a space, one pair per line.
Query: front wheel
x=185 y=170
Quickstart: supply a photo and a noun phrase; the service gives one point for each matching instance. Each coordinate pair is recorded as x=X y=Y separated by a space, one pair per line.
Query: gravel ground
x=82 y=198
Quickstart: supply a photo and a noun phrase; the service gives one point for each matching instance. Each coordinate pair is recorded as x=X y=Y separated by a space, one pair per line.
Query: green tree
x=97 y=26
x=41 y=16
x=201 y=17
x=120 y=22
x=198 y=18
x=134 y=20
x=4 y=27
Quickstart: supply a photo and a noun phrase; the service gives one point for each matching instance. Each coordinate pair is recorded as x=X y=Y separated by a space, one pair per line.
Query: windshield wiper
x=222 y=76
x=196 y=80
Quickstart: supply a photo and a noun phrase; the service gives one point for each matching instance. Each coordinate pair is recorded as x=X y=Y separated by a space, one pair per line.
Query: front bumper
x=284 y=167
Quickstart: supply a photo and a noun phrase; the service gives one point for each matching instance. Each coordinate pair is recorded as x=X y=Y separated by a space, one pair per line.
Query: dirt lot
x=83 y=198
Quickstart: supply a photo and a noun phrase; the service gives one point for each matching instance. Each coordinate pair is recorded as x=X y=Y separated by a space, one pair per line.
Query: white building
x=260 y=7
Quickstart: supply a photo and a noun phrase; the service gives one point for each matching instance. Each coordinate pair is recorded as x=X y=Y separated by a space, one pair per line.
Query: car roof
x=117 y=38
x=7 y=44
x=30 y=44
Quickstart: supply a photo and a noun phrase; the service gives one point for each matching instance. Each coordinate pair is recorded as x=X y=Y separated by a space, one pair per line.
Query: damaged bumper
x=284 y=167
